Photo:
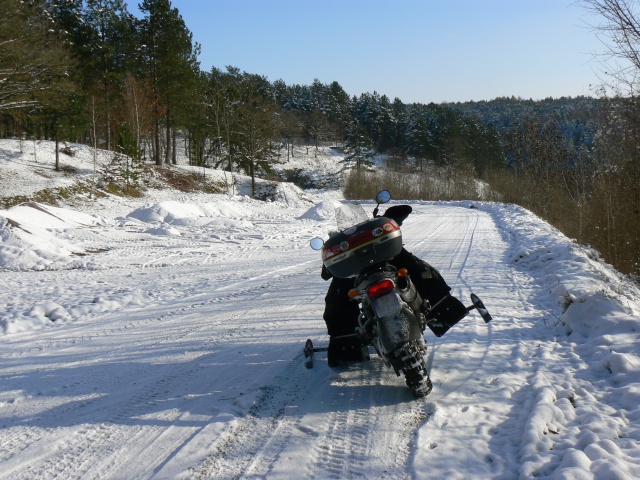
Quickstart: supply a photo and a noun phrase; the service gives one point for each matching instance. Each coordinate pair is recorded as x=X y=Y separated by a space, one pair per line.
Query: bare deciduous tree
x=619 y=32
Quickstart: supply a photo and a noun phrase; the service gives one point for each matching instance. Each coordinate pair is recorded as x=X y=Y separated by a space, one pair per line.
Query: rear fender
x=396 y=330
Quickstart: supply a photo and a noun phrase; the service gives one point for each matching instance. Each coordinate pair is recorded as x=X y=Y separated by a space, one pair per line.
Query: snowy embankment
x=161 y=338
x=582 y=411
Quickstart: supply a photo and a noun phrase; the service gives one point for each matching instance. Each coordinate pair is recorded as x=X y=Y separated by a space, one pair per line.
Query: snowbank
x=322 y=211
x=177 y=213
x=582 y=421
x=31 y=240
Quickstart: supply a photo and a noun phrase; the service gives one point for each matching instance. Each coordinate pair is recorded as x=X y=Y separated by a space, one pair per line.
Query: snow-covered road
x=180 y=356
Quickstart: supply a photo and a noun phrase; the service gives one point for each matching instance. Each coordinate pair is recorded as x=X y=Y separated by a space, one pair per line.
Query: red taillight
x=385 y=286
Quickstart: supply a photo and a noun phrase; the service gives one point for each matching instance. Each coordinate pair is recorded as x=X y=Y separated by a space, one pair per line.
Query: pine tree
x=171 y=63
x=36 y=71
x=108 y=21
x=34 y=62
x=254 y=129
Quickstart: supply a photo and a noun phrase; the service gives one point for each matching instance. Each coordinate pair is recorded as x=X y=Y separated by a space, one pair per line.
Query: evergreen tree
x=254 y=135
x=222 y=96
x=110 y=30
x=171 y=63
x=338 y=106
x=35 y=65
x=37 y=73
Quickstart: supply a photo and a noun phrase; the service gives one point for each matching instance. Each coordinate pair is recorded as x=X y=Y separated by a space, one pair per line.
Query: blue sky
x=417 y=50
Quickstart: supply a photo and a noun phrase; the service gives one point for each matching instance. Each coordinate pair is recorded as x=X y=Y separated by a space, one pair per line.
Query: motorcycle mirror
x=383 y=196
x=316 y=243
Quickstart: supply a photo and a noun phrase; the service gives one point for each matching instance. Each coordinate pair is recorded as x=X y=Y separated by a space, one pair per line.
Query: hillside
x=161 y=337
x=27 y=172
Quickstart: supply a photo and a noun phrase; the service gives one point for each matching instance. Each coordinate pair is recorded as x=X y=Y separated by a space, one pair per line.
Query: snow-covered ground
x=162 y=337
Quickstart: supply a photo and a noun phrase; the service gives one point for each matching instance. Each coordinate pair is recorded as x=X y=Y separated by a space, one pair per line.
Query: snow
x=162 y=337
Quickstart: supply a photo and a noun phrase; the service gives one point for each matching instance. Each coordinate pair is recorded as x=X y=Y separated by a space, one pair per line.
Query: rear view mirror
x=316 y=243
x=383 y=196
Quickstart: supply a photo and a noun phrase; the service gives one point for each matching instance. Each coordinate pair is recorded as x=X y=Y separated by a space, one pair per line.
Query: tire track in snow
x=322 y=424
x=237 y=449
x=460 y=251
x=91 y=451
x=469 y=406
x=231 y=289
x=354 y=437
x=342 y=449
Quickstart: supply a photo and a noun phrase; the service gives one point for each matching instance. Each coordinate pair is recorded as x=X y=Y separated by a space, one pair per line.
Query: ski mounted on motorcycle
x=392 y=313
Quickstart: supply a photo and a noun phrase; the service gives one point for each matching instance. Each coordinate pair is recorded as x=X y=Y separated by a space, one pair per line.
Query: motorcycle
x=393 y=315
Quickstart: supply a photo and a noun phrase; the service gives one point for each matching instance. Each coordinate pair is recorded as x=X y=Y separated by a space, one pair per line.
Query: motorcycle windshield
x=350 y=214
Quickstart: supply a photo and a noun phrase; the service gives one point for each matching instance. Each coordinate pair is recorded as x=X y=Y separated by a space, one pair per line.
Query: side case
x=445 y=314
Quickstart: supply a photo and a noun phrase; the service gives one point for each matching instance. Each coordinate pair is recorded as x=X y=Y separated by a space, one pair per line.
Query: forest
x=91 y=72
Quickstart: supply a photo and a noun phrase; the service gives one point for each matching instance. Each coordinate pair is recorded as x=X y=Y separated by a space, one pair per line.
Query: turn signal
x=403 y=272
x=379 y=289
x=353 y=293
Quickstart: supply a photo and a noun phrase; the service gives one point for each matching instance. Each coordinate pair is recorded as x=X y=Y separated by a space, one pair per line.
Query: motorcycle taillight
x=380 y=288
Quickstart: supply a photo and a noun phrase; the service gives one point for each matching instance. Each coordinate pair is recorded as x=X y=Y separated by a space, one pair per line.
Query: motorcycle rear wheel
x=414 y=369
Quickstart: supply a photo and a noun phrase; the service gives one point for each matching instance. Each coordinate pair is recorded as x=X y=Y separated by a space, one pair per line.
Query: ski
x=309 y=350
x=308 y=354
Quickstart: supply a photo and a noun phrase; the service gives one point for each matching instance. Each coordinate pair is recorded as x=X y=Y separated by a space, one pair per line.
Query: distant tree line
x=90 y=71
x=575 y=163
